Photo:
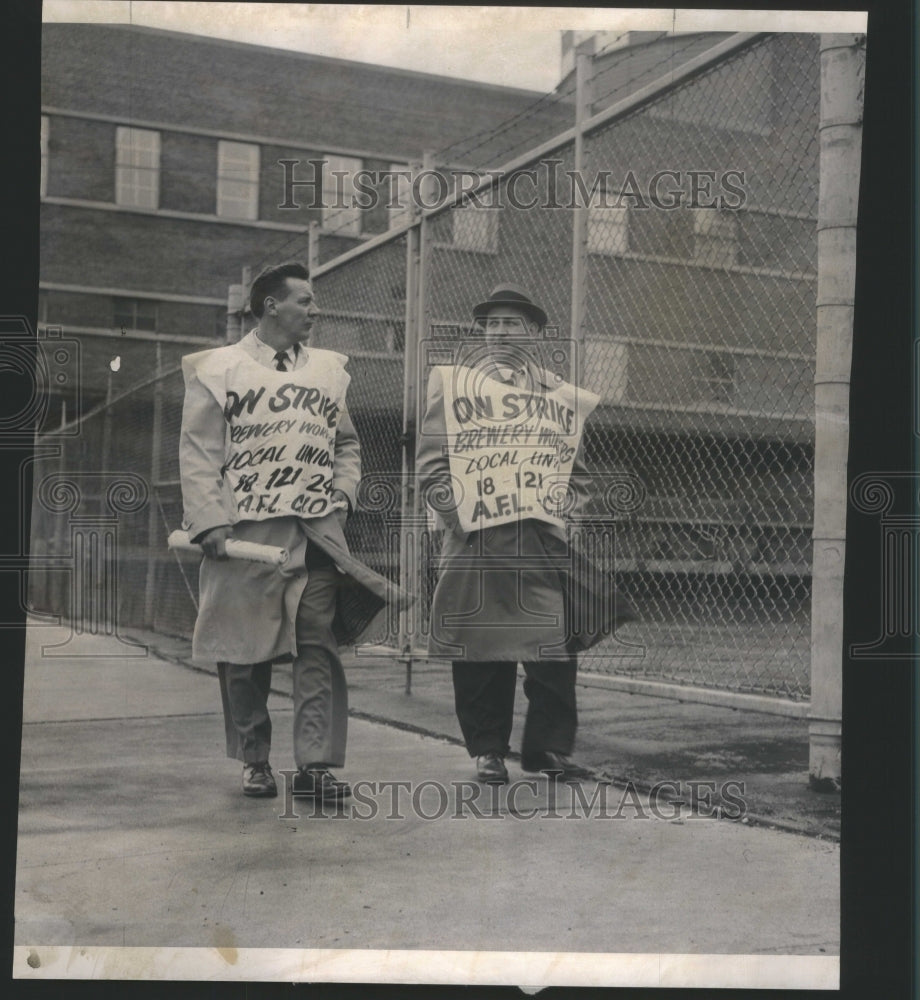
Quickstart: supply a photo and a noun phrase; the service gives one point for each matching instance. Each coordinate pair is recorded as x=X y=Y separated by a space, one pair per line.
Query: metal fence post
x=107 y=423
x=583 y=64
x=313 y=245
x=156 y=443
x=234 y=313
x=59 y=589
x=408 y=547
x=245 y=315
x=840 y=131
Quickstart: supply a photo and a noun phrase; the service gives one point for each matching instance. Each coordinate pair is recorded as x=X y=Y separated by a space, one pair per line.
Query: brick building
x=161 y=172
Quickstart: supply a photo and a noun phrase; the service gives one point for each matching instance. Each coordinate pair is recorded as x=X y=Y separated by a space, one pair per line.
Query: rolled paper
x=251 y=551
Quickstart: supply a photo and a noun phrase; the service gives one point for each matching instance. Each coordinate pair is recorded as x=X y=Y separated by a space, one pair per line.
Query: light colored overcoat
x=246 y=609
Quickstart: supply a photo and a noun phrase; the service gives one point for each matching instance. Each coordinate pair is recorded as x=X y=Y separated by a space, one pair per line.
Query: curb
x=620 y=781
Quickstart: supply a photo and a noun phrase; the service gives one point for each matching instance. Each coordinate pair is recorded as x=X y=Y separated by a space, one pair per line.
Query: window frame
x=243 y=174
x=123 y=306
x=715 y=230
x=601 y=224
x=613 y=387
x=718 y=383
x=402 y=190
x=469 y=239
x=128 y=191
x=45 y=137
x=340 y=221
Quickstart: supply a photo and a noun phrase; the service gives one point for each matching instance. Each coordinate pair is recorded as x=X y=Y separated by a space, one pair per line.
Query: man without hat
x=268 y=454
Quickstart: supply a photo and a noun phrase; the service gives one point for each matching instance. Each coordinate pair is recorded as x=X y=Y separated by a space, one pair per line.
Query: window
x=395 y=338
x=395 y=335
x=340 y=215
x=608 y=227
x=400 y=203
x=717 y=382
x=339 y=334
x=134 y=314
x=46 y=129
x=475 y=228
x=715 y=237
x=137 y=167
x=606 y=368
x=237 y=180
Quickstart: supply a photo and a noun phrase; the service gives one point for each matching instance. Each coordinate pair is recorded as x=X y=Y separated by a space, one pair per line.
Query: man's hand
x=214 y=542
x=340 y=496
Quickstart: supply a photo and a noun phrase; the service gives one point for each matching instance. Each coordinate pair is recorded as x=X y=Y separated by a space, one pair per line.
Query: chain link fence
x=699 y=335
x=364 y=316
x=106 y=494
x=692 y=271
x=698 y=285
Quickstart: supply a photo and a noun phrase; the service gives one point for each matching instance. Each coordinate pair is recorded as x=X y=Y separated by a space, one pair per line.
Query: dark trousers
x=484 y=699
x=320 y=691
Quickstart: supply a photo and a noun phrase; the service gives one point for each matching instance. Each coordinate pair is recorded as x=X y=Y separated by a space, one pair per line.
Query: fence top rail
x=675 y=78
x=657 y=88
x=381 y=239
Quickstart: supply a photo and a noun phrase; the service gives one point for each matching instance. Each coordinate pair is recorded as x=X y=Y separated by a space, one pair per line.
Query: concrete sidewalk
x=133 y=834
x=626 y=736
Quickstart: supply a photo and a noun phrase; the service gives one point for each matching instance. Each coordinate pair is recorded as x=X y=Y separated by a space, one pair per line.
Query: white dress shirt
x=296 y=356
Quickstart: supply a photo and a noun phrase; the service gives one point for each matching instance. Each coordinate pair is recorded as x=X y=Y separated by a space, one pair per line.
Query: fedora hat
x=510 y=295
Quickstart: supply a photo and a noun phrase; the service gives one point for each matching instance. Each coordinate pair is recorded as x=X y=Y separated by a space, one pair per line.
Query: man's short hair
x=271 y=282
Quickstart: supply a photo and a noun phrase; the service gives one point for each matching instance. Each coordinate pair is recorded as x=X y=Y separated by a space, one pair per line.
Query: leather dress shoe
x=555 y=763
x=259 y=781
x=490 y=768
x=319 y=783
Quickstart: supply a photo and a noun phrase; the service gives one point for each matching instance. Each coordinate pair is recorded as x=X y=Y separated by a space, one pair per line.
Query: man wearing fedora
x=501 y=594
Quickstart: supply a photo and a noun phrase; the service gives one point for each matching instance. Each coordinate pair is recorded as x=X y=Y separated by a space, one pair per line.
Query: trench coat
x=513 y=591
x=247 y=610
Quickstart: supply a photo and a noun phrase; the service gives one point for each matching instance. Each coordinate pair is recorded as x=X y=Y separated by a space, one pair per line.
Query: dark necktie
x=281 y=359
